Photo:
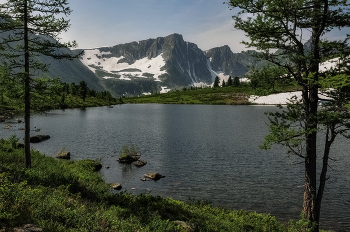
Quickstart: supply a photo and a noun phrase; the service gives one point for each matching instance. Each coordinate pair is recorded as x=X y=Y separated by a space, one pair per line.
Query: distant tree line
x=235 y=82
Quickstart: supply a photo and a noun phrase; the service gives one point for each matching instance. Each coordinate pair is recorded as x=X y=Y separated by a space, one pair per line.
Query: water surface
x=208 y=153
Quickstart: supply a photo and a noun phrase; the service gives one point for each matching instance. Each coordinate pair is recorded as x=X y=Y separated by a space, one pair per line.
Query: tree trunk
x=323 y=177
x=26 y=91
x=310 y=194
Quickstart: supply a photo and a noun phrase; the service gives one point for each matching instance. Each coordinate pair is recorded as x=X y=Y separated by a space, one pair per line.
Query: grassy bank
x=60 y=195
x=209 y=96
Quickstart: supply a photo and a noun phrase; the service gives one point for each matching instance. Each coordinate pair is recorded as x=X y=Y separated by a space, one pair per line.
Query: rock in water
x=129 y=159
x=117 y=186
x=152 y=176
x=140 y=163
x=63 y=155
x=39 y=138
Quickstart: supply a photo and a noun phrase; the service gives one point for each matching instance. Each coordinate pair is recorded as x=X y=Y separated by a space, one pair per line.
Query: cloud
x=217 y=35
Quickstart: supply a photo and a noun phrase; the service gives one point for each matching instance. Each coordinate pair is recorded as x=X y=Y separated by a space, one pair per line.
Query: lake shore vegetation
x=64 y=195
x=228 y=95
x=49 y=94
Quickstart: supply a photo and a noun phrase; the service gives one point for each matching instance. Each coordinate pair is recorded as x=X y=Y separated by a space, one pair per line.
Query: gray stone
x=140 y=163
x=117 y=186
x=39 y=138
x=63 y=155
x=152 y=176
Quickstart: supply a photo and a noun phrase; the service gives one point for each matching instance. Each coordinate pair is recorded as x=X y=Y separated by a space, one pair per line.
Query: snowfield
x=274 y=99
x=94 y=61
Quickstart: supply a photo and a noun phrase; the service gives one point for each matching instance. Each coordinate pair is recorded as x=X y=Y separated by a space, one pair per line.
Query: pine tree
x=229 y=81
x=83 y=89
x=216 y=82
x=223 y=83
x=236 y=82
x=283 y=26
x=30 y=29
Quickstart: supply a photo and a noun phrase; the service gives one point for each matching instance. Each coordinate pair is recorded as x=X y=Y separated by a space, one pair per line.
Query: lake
x=207 y=152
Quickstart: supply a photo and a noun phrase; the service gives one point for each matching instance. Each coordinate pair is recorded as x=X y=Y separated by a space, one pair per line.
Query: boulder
x=152 y=176
x=140 y=163
x=8 y=126
x=39 y=138
x=117 y=186
x=129 y=159
x=63 y=155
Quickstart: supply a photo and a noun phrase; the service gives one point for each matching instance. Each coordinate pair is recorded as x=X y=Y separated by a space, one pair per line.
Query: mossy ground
x=63 y=195
x=208 y=96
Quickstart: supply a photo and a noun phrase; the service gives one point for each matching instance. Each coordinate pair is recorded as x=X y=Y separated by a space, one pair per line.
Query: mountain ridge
x=171 y=62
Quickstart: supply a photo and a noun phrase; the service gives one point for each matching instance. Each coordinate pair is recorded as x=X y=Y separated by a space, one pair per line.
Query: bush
x=129 y=152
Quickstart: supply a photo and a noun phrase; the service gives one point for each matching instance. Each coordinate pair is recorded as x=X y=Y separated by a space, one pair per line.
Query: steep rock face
x=223 y=60
x=154 y=63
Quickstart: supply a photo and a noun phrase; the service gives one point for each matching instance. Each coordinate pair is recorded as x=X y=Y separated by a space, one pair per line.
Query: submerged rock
x=140 y=163
x=39 y=138
x=152 y=176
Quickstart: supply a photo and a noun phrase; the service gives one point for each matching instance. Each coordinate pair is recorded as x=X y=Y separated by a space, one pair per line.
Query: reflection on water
x=208 y=153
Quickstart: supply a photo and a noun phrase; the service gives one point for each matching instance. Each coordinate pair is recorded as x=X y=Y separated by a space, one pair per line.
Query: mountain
x=149 y=65
x=152 y=65
x=161 y=64
x=70 y=71
x=224 y=63
x=67 y=70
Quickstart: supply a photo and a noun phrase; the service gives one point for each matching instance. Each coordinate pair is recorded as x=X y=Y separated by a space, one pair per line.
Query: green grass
x=62 y=195
x=17 y=105
x=208 y=96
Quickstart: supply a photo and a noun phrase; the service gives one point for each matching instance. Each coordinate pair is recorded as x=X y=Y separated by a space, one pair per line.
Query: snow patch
x=274 y=99
x=164 y=89
x=332 y=63
x=279 y=98
x=93 y=60
x=200 y=84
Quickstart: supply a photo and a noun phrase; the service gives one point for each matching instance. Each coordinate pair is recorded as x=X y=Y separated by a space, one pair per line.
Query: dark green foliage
x=83 y=90
x=223 y=83
x=48 y=94
x=229 y=81
x=236 y=81
x=269 y=80
x=73 y=89
x=216 y=82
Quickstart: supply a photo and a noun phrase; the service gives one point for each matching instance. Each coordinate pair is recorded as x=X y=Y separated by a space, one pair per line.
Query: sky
x=207 y=23
x=97 y=23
